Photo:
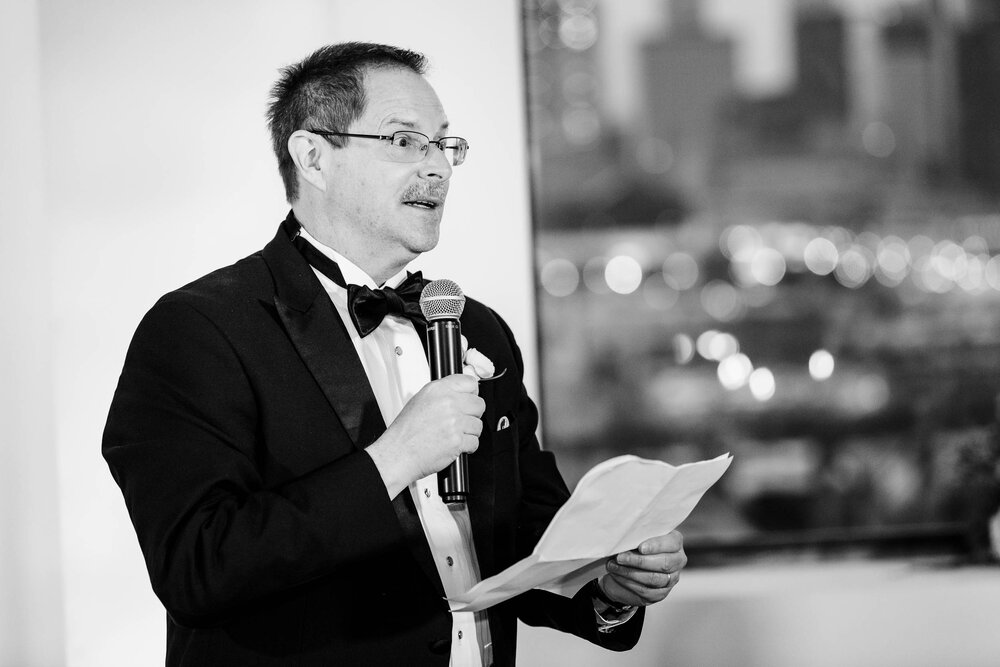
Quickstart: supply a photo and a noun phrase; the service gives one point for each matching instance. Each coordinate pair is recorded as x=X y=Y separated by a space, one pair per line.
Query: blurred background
x=772 y=228
x=766 y=227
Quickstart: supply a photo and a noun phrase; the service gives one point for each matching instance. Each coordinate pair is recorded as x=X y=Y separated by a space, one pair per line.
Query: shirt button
x=427 y=492
x=459 y=634
x=399 y=351
x=451 y=561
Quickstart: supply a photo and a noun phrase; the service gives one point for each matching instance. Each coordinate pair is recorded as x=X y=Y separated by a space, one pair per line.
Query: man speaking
x=277 y=437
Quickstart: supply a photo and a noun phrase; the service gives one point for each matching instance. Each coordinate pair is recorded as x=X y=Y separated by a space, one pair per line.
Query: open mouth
x=427 y=204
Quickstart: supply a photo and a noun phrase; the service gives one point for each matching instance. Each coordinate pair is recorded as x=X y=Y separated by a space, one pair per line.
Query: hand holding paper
x=646 y=574
x=615 y=507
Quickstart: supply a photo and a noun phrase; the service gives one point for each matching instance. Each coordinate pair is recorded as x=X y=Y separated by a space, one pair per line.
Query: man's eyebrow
x=411 y=125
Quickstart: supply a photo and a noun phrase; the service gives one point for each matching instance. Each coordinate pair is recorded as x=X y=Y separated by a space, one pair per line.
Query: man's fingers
x=672 y=541
x=644 y=577
x=665 y=562
x=632 y=592
x=658 y=554
x=461 y=382
x=472 y=425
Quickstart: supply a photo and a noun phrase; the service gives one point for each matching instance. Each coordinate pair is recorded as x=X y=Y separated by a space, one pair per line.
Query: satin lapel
x=321 y=339
x=482 y=486
x=323 y=343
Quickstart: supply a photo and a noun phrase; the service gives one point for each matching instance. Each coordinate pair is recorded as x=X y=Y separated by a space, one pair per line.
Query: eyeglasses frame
x=390 y=137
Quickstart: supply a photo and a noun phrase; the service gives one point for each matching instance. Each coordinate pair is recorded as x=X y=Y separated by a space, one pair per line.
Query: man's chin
x=426 y=234
x=424 y=243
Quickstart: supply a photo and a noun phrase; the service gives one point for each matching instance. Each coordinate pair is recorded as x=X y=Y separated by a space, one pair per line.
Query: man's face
x=394 y=208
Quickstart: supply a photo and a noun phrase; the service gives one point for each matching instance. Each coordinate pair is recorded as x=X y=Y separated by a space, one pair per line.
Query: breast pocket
x=505 y=434
x=499 y=422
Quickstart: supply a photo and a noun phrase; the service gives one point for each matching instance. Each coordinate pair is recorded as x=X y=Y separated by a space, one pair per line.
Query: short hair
x=326 y=90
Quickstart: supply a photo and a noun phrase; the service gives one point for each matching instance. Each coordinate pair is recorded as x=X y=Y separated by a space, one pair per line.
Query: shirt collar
x=353 y=274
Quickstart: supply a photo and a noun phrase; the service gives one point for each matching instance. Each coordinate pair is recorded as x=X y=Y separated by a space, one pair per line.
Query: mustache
x=436 y=191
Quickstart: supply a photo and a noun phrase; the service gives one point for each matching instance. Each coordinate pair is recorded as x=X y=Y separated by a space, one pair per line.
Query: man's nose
x=436 y=164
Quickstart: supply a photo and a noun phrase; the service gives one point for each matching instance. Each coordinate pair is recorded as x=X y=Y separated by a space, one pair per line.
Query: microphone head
x=442 y=300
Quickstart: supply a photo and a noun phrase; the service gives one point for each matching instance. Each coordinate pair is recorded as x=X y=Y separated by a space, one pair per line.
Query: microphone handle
x=444 y=353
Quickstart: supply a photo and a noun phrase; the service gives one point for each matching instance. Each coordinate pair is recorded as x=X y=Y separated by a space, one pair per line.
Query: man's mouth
x=428 y=204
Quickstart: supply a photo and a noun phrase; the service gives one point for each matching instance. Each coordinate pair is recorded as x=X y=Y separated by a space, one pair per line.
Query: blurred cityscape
x=805 y=274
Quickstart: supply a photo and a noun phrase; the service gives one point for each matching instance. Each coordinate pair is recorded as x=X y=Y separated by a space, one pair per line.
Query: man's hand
x=441 y=421
x=646 y=574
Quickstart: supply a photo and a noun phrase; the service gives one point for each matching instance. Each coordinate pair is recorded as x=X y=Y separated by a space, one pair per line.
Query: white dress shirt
x=394 y=361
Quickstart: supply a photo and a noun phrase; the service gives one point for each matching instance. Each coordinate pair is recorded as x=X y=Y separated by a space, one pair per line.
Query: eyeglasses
x=407 y=146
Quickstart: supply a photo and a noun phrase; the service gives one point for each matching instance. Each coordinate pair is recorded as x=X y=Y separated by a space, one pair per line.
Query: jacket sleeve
x=182 y=441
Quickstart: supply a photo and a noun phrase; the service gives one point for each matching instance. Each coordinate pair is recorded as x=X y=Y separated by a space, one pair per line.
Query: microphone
x=442 y=303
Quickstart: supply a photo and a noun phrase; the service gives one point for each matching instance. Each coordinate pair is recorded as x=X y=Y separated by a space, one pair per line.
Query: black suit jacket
x=236 y=434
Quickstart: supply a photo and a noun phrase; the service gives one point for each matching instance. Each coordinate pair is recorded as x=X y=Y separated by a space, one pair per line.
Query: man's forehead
x=403 y=99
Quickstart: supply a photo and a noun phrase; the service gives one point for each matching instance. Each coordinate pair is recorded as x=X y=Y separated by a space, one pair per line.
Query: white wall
x=31 y=623
x=158 y=169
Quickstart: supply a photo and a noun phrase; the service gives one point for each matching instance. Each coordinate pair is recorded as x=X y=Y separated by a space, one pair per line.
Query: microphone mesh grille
x=442 y=299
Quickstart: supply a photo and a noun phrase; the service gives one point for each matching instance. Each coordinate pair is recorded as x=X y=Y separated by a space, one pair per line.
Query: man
x=281 y=520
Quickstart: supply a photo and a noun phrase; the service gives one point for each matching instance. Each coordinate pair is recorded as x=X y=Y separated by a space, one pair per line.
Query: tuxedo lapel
x=482 y=486
x=322 y=341
x=324 y=346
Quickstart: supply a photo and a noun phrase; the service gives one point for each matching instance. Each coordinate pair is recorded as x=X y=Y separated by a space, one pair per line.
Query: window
x=772 y=229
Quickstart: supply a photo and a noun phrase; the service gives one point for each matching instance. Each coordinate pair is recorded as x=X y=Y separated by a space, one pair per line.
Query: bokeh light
x=623 y=274
x=762 y=384
x=722 y=345
x=878 y=139
x=739 y=242
x=593 y=275
x=767 y=266
x=821 y=256
x=683 y=349
x=704 y=341
x=893 y=258
x=721 y=301
x=856 y=266
x=868 y=393
x=821 y=364
x=578 y=31
x=559 y=277
x=682 y=269
x=734 y=371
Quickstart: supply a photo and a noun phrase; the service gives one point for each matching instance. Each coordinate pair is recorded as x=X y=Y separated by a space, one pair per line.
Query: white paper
x=616 y=506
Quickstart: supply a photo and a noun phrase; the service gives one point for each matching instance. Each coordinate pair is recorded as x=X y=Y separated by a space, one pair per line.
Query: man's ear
x=306 y=151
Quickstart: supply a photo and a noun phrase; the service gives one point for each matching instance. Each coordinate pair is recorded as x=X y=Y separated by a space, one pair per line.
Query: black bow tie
x=367 y=306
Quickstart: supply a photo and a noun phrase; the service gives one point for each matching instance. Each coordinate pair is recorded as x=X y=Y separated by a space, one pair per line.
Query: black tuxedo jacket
x=236 y=434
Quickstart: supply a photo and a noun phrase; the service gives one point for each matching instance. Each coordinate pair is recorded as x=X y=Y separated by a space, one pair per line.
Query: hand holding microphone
x=440 y=425
x=442 y=303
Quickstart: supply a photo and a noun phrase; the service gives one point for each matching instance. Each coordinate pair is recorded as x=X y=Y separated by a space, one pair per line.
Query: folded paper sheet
x=617 y=505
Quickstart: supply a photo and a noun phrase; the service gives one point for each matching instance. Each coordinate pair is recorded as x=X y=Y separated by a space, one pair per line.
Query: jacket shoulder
x=246 y=279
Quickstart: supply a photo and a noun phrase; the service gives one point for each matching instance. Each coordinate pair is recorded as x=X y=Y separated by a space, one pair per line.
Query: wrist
x=390 y=468
x=603 y=603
